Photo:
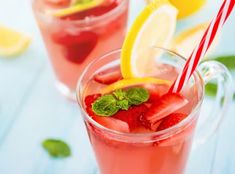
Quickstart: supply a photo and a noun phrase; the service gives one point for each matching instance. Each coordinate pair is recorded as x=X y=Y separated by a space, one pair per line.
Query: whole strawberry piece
x=171 y=120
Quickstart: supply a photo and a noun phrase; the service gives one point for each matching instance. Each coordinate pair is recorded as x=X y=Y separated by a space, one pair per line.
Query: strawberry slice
x=132 y=116
x=171 y=120
x=112 y=123
x=166 y=105
x=108 y=76
x=76 y=47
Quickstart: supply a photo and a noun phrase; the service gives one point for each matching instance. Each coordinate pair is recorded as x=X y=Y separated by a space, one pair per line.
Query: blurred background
x=31 y=109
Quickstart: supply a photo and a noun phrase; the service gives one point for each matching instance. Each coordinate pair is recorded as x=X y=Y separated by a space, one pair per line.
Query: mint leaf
x=105 y=105
x=121 y=97
x=123 y=104
x=137 y=96
x=56 y=148
x=228 y=61
x=119 y=94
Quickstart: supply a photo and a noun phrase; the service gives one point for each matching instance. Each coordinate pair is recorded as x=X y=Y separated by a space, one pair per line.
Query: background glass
x=73 y=44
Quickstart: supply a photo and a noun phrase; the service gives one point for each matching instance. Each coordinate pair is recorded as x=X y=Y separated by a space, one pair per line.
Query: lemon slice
x=155 y=26
x=185 y=42
x=12 y=43
x=76 y=8
x=132 y=82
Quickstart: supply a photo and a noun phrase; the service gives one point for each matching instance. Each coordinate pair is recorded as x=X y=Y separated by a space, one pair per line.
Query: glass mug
x=73 y=43
x=162 y=152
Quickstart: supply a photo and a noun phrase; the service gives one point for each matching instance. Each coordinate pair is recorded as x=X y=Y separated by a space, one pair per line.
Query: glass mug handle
x=210 y=71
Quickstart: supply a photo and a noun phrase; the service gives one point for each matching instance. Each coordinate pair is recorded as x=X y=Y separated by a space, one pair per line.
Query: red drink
x=152 y=137
x=73 y=41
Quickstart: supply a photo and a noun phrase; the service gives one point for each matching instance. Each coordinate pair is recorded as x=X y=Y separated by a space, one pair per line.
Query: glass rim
x=160 y=134
x=86 y=21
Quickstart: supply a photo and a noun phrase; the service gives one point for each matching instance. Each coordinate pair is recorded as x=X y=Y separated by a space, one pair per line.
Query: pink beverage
x=73 y=41
x=152 y=137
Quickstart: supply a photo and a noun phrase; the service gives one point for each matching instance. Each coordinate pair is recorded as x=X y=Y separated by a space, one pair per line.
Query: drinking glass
x=166 y=151
x=73 y=43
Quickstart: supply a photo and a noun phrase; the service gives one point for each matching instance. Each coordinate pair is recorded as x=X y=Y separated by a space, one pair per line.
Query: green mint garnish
x=119 y=94
x=122 y=101
x=137 y=96
x=123 y=104
x=110 y=104
x=105 y=105
x=56 y=148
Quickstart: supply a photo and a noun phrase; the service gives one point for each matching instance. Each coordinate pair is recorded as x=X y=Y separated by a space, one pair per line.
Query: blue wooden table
x=31 y=109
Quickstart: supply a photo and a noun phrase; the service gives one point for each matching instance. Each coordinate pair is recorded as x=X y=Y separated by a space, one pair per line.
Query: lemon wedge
x=154 y=26
x=132 y=82
x=186 y=41
x=76 y=8
x=12 y=43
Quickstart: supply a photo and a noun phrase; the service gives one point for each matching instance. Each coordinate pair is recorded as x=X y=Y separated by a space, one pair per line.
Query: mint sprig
x=110 y=104
x=56 y=148
x=137 y=96
x=123 y=104
x=120 y=94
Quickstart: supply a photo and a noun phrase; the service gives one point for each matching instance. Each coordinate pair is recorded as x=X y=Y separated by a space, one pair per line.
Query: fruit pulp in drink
x=73 y=41
x=145 y=153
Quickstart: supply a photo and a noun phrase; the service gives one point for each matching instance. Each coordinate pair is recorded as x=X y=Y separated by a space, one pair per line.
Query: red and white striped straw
x=201 y=49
